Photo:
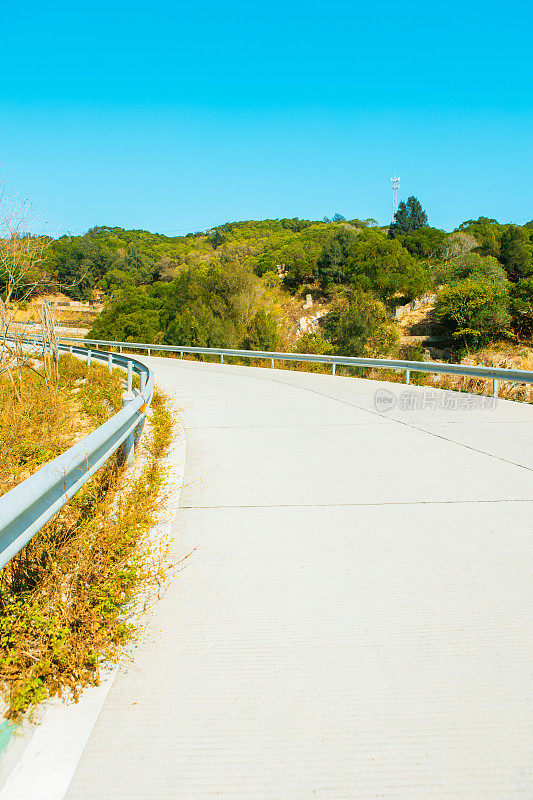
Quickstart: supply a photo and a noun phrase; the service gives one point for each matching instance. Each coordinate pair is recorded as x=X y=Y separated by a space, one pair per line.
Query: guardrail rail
x=437 y=367
x=26 y=508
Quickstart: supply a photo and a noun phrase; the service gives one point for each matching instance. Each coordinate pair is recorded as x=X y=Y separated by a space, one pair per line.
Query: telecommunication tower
x=395 y=186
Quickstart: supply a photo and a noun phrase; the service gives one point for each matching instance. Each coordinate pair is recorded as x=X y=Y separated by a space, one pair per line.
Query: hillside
x=333 y=285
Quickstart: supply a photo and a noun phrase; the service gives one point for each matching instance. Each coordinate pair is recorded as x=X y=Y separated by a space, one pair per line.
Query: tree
x=475 y=312
x=217 y=238
x=132 y=316
x=457 y=243
x=425 y=242
x=262 y=333
x=409 y=217
x=379 y=264
x=472 y=265
x=521 y=306
x=165 y=269
x=516 y=253
x=332 y=260
x=360 y=326
x=487 y=232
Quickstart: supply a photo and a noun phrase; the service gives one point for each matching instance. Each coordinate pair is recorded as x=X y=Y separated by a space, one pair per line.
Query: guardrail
x=26 y=508
x=490 y=373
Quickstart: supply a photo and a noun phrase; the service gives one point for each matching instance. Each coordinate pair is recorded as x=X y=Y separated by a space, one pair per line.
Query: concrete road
x=355 y=621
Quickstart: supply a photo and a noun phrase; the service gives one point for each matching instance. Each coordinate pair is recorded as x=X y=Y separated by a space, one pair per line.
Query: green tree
x=198 y=326
x=516 y=253
x=475 y=312
x=384 y=266
x=262 y=333
x=521 y=307
x=471 y=265
x=132 y=317
x=332 y=260
x=314 y=343
x=217 y=238
x=409 y=217
x=425 y=242
x=487 y=232
x=360 y=326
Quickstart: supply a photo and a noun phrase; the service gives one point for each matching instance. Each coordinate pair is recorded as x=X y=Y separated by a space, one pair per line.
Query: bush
x=361 y=326
x=262 y=333
x=471 y=265
x=382 y=265
x=312 y=344
x=475 y=312
x=521 y=307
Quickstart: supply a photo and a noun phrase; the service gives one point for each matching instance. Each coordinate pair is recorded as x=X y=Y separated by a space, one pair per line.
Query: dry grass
x=502 y=355
x=44 y=423
x=65 y=599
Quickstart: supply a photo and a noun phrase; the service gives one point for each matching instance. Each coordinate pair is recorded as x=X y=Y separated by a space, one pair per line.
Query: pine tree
x=417 y=216
x=409 y=217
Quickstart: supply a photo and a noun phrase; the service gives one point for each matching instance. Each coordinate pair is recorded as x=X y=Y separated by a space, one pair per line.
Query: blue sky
x=176 y=117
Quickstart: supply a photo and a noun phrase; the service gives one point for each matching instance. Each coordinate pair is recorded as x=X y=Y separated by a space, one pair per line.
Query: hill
x=243 y=284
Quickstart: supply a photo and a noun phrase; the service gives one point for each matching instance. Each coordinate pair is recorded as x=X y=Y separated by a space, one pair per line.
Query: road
x=355 y=619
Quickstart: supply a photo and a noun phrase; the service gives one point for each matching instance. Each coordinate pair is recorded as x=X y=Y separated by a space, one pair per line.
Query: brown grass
x=65 y=599
x=45 y=423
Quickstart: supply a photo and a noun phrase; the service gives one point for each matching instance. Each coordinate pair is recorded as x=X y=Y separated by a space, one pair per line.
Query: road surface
x=355 y=620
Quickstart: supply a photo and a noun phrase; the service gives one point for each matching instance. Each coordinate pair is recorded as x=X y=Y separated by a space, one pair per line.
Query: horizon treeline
x=231 y=286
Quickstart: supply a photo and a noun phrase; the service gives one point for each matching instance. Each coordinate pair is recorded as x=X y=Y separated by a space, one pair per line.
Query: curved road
x=354 y=621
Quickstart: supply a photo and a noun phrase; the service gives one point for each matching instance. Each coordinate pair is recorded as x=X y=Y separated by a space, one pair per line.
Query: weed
x=65 y=597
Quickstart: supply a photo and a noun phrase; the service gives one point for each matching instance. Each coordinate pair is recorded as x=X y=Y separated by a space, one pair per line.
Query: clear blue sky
x=177 y=116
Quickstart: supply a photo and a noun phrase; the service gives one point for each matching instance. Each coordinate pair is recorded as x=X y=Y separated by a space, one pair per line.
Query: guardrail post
x=272 y=363
x=221 y=358
x=89 y=354
x=181 y=354
x=495 y=388
x=110 y=362
x=128 y=445
x=70 y=350
x=143 y=377
x=97 y=345
x=120 y=348
x=408 y=376
x=130 y=376
x=333 y=366
x=149 y=350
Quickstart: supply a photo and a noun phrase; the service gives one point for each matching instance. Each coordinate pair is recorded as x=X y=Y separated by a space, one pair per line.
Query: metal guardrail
x=26 y=508
x=491 y=373
x=29 y=506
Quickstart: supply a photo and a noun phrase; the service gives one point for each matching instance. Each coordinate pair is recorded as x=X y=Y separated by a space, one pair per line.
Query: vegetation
x=39 y=423
x=65 y=598
x=359 y=325
x=232 y=285
x=409 y=217
x=475 y=311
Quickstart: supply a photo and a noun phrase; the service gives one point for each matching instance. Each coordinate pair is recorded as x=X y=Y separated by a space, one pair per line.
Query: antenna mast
x=395 y=186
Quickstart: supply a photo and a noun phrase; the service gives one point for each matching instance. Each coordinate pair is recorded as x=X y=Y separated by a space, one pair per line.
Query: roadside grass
x=67 y=599
x=46 y=421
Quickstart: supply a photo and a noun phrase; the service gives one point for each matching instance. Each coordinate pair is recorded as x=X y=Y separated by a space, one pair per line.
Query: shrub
x=471 y=265
x=475 y=312
x=521 y=307
x=262 y=333
x=361 y=326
